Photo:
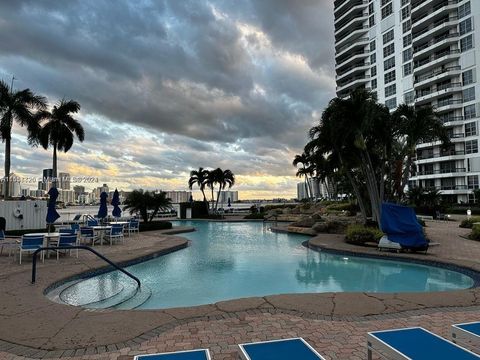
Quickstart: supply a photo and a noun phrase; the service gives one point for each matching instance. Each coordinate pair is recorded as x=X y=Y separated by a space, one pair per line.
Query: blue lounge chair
x=31 y=244
x=467 y=334
x=116 y=233
x=67 y=241
x=285 y=349
x=414 y=344
x=201 y=354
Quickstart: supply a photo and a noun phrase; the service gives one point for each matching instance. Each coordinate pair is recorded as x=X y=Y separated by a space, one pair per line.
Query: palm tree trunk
x=6 y=183
x=218 y=195
x=213 y=199
x=406 y=176
x=54 y=167
x=356 y=190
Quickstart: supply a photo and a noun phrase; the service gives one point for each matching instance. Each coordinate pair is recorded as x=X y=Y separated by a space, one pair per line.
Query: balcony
x=352 y=83
x=429 y=156
x=435 y=76
x=352 y=70
x=433 y=45
x=421 y=6
x=448 y=105
x=441 y=172
x=441 y=90
x=344 y=51
x=346 y=26
x=435 y=60
x=349 y=61
x=353 y=35
x=434 y=29
x=452 y=120
x=345 y=9
x=433 y=14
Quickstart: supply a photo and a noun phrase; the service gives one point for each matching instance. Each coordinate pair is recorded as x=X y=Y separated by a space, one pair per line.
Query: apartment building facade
x=420 y=52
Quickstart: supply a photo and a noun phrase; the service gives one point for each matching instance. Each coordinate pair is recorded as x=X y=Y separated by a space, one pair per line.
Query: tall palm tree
x=17 y=107
x=200 y=178
x=304 y=171
x=60 y=129
x=212 y=179
x=224 y=178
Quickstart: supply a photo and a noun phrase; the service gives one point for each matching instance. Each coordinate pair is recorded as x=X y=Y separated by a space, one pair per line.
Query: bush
x=350 y=208
x=155 y=225
x=468 y=223
x=254 y=216
x=462 y=210
x=359 y=234
x=475 y=234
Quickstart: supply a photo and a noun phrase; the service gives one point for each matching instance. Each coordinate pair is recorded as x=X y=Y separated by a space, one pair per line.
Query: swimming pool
x=234 y=260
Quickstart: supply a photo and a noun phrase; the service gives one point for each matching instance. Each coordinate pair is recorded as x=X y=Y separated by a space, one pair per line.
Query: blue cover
x=418 y=344
x=401 y=226
x=116 y=212
x=185 y=355
x=52 y=214
x=280 y=350
x=103 y=210
x=473 y=328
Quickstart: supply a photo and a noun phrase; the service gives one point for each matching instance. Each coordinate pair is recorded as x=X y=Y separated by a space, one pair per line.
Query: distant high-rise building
x=225 y=195
x=421 y=52
x=179 y=196
x=47 y=178
x=64 y=181
x=301 y=191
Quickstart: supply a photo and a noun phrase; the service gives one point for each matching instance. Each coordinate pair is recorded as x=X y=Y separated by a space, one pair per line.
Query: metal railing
x=81 y=247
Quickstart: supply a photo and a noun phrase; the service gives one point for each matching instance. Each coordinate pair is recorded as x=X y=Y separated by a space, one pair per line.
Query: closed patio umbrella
x=52 y=214
x=103 y=210
x=116 y=212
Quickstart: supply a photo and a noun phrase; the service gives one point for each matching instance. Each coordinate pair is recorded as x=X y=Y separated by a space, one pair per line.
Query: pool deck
x=32 y=327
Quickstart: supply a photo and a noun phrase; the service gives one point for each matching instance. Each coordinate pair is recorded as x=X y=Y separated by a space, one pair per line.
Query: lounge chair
x=8 y=243
x=285 y=349
x=30 y=244
x=115 y=234
x=201 y=354
x=467 y=334
x=133 y=226
x=87 y=235
x=67 y=241
x=414 y=344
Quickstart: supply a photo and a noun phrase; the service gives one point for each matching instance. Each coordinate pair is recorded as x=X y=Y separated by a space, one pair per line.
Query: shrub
x=468 y=223
x=155 y=225
x=257 y=216
x=462 y=210
x=475 y=234
x=359 y=234
x=350 y=208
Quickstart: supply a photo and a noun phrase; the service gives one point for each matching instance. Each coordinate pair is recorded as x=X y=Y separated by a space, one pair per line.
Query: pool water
x=234 y=260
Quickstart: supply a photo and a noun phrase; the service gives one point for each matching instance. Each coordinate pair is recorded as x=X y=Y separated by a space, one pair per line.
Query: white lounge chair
x=200 y=354
x=385 y=244
x=414 y=344
x=286 y=349
x=467 y=334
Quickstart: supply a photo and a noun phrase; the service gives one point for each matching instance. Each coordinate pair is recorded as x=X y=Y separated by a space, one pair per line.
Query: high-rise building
x=46 y=182
x=420 y=52
x=179 y=196
x=227 y=194
x=64 y=181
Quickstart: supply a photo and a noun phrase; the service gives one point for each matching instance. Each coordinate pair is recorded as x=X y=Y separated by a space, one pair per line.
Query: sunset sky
x=168 y=86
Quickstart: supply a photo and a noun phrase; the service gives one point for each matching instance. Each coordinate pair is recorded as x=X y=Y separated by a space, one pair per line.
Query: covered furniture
x=201 y=354
x=400 y=225
x=285 y=349
x=467 y=334
x=414 y=344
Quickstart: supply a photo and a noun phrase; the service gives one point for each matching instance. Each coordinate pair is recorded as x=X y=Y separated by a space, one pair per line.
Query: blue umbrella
x=52 y=214
x=229 y=203
x=116 y=212
x=103 y=211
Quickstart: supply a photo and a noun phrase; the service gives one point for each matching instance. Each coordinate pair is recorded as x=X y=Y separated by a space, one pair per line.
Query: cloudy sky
x=168 y=86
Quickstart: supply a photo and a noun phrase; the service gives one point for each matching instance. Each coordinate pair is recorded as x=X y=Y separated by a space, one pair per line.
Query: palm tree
x=17 y=107
x=223 y=178
x=200 y=178
x=139 y=201
x=303 y=172
x=416 y=125
x=60 y=129
x=212 y=179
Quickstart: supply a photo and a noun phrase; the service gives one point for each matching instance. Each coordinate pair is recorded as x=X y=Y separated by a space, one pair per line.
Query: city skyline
x=149 y=120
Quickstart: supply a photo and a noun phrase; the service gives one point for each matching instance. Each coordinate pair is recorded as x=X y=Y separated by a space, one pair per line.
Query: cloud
x=166 y=86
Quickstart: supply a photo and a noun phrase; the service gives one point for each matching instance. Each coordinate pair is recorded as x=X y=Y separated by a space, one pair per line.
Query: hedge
x=155 y=225
x=360 y=234
x=468 y=223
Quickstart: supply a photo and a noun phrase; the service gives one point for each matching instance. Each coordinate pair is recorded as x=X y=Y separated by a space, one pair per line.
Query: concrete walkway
x=335 y=324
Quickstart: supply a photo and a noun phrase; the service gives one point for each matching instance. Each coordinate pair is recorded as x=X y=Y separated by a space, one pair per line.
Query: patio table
x=101 y=229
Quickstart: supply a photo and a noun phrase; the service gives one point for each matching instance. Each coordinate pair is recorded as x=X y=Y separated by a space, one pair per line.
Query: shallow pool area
x=228 y=260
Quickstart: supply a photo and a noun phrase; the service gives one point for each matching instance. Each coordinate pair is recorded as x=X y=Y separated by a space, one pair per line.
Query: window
x=388 y=50
x=373 y=45
x=472 y=181
x=465 y=26
x=464 y=10
x=407 y=40
x=407 y=69
x=389 y=63
x=406 y=26
x=405 y=12
x=471 y=129
x=469 y=112
x=387 y=11
x=405 y=2
x=373 y=71
x=407 y=55
x=388 y=36
x=384 y=2
x=471 y=147
x=374 y=84
x=371 y=21
x=469 y=94
x=373 y=58
x=391 y=103
x=389 y=77
x=467 y=77
x=371 y=10
x=390 y=90
x=409 y=97
x=466 y=43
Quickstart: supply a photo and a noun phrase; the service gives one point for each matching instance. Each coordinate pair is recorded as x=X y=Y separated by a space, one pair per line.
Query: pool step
x=141 y=296
x=127 y=293
x=91 y=291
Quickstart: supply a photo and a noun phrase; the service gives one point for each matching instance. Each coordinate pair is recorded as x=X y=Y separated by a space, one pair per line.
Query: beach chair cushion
x=420 y=344
x=288 y=349
x=201 y=354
